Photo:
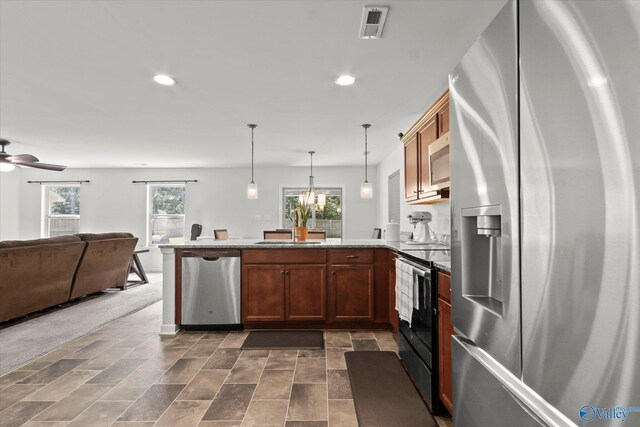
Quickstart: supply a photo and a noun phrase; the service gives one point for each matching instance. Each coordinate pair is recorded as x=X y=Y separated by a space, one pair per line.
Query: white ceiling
x=76 y=78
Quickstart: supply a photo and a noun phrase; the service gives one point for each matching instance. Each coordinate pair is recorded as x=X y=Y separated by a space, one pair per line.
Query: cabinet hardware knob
x=415 y=191
x=282 y=272
x=421 y=191
x=286 y=272
x=333 y=272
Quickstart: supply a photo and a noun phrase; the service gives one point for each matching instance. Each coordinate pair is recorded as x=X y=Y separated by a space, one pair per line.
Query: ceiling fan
x=8 y=162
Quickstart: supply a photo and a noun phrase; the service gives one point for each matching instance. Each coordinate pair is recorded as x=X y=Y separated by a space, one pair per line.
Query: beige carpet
x=25 y=341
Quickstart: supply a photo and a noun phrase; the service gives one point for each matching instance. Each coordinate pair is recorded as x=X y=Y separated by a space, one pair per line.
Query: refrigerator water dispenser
x=482 y=260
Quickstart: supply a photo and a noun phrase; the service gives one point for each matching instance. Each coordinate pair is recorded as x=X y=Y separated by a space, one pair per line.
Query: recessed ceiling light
x=163 y=79
x=345 y=80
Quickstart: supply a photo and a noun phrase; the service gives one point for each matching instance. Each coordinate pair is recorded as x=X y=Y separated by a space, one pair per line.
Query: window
x=327 y=218
x=62 y=210
x=166 y=214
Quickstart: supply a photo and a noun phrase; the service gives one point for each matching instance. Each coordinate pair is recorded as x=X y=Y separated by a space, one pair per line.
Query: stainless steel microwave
x=439 y=169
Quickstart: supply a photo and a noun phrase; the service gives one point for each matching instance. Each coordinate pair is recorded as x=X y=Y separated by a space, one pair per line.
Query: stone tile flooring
x=125 y=374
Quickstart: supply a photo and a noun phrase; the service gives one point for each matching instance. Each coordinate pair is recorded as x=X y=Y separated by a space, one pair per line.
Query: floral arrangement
x=301 y=214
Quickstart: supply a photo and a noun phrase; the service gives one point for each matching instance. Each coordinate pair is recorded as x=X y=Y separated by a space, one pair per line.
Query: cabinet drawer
x=284 y=256
x=352 y=256
x=444 y=286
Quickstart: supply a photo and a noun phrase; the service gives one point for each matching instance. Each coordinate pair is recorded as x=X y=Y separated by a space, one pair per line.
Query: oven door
x=421 y=332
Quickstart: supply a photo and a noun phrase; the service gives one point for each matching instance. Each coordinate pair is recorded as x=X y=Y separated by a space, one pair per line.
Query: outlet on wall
x=267 y=217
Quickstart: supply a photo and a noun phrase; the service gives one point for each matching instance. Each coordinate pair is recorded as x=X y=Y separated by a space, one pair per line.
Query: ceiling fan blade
x=38 y=165
x=26 y=158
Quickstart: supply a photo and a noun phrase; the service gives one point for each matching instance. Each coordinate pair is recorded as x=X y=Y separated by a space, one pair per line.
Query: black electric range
x=418 y=336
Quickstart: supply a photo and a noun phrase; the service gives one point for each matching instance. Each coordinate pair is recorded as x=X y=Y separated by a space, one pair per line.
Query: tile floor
x=125 y=374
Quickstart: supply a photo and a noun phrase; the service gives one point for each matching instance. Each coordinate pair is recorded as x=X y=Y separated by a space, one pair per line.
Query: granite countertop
x=442 y=261
x=256 y=244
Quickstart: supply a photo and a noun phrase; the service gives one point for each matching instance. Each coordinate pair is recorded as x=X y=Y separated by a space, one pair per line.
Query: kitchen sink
x=284 y=242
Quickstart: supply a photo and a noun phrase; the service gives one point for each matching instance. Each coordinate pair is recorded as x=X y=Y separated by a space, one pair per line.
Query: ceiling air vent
x=373 y=18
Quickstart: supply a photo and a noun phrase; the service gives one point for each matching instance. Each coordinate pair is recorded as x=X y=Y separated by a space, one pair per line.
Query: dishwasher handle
x=210 y=255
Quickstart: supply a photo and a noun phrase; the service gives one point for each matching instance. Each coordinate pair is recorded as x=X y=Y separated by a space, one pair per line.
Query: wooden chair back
x=221 y=234
x=277 y=235
x=316 y=235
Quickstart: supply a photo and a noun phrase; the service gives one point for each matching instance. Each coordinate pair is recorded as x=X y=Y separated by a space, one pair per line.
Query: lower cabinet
x=263 y=293
x=277 y=292
x=352 y=292
x=305 y=292
x=347 y=287
x=445 y=332
x=393 y=313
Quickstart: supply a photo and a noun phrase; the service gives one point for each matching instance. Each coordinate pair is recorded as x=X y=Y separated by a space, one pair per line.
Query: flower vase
x=301 y=234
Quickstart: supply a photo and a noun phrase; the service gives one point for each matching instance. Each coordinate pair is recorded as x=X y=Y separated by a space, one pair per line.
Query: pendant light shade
x=366 y=189
x=252 y=190
x=322 y=200
x=252 y=187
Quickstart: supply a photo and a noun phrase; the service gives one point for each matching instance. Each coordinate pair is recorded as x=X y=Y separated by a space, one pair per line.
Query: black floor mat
x=290 y=340
x=383 y=393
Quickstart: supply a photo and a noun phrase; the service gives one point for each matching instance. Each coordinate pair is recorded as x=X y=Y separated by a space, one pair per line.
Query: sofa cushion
x=6 y=244
x=104 y=263
x=87 y=237
x=34 y=276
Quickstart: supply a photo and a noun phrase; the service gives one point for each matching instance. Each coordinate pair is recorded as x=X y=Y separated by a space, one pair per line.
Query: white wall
x=111 y=202
x=9 y=205
x=441 y=223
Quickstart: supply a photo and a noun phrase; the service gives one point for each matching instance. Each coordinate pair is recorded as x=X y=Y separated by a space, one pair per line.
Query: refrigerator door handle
x=534 y=405
x=524 y=407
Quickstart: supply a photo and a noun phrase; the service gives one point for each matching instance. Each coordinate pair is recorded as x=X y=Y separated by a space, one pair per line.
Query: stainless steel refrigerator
x=545 y=151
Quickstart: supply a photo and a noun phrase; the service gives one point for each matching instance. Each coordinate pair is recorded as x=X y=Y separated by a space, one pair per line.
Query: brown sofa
x=104 y=263
x=36 y=274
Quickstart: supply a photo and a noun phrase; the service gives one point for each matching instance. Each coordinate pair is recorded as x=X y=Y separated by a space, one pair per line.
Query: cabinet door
x=393 y=313
x=305 y=290
x=445 y=332
x=427 y=135
x=352 y=291
x=443 y=120
x=262 y=293
x=411 y=169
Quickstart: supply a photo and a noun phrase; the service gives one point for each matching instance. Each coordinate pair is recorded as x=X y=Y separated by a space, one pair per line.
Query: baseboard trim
x=169 y=329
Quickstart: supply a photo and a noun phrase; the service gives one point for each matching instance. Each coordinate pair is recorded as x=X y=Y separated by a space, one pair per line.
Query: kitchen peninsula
x=329 y=284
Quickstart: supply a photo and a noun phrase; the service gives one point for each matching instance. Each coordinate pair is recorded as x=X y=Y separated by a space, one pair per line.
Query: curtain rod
x=165 y=181
x=58 y=182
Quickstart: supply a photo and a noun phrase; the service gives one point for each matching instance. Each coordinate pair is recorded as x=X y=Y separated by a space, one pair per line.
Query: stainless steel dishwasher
x=210 y=287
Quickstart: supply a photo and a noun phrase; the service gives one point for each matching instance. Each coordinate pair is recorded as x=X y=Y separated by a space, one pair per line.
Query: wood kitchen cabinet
x=283 y=292
x=284 y=285
x=263 y=293
x=352 y=284
x=301 y=288
x=305 y=292
x=426 y=155
x=393 y=313
x=352 y=291
x=445 y=332
x=411 y=165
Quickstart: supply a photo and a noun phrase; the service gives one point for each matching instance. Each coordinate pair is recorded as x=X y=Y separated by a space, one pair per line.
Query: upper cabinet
x=426 y=155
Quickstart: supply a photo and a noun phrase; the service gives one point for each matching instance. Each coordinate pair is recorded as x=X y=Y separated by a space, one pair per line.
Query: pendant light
x=308 y=197
x=252 y=187
x=366 y=189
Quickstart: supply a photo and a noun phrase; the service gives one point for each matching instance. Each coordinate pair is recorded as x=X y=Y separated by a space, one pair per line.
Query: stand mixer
x=423 y=233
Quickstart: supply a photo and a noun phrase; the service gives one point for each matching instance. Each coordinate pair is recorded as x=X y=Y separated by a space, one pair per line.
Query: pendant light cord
x=252 y=126
x=366 y=152
x=252 y=156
